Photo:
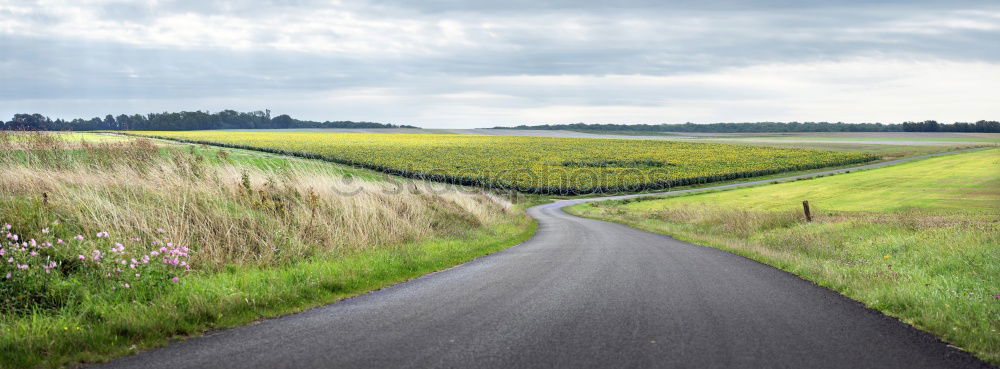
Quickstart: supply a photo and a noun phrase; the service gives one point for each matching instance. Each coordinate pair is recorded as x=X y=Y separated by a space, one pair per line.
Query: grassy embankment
x=262 y=235
x=918 y=241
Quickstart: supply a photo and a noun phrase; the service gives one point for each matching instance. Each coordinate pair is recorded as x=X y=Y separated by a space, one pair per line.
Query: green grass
x=76 y=137
x=250 y=158
x=917 y=241
x=100 y=330
x=276 y=162
x=984 y=138
x=970 y=183
x=211 y=154
x=885 y=151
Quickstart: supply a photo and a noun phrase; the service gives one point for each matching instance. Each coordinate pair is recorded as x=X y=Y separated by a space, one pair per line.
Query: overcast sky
x=464 y=64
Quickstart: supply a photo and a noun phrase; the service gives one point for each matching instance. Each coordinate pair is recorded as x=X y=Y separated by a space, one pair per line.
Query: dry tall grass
x=231 y=213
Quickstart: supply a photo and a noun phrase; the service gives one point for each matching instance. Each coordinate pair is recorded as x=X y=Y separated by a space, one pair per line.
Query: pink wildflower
x=8 y=276
x=59 y=241
x=158 y=230
x=127 y=286
x=78 y=237
x=8 y=226
x=175 y=279
x=45 y=230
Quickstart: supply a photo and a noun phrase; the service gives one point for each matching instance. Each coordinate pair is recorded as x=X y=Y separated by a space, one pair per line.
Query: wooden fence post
x=805 y=207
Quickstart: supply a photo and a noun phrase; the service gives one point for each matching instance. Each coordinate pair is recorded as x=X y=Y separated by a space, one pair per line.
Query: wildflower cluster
x=20 y=255
x=122 y=265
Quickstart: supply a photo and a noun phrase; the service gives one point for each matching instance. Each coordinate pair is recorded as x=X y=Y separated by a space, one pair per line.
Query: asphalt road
x=581 y=293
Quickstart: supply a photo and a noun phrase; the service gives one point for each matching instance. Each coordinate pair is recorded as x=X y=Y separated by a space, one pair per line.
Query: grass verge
x=98 y=332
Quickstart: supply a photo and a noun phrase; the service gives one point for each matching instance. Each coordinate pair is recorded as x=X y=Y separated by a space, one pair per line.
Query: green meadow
x=964 y=183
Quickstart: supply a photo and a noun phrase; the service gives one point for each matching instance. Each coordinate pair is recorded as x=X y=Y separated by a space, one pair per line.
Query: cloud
x=474 y=63
x=855 y=90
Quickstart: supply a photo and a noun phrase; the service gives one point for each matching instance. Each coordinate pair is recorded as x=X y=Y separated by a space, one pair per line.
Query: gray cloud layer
x=475 y=63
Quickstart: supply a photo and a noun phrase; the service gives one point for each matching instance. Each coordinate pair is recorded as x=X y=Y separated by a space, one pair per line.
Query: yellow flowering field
x=532 y=164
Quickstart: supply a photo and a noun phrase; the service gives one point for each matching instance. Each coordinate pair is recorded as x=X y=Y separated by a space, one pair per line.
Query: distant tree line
x=180 y=121
x=773 y=127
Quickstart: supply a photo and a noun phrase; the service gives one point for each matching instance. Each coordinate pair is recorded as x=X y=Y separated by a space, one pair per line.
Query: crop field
x=535 y=164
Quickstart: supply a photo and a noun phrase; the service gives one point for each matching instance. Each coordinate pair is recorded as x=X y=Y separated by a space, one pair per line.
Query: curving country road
x=581 y=293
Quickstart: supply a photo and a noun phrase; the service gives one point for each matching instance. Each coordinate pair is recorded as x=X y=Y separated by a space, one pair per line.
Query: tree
x=185 y=120
x=109 y=122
